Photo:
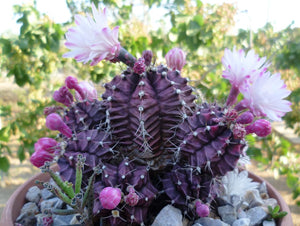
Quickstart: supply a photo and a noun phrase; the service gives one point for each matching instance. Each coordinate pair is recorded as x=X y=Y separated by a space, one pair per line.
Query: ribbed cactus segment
x=86 y=115
x=123 y=176
x=184 y=185
x=145 y=109
x=207 y=142
x=95 y=145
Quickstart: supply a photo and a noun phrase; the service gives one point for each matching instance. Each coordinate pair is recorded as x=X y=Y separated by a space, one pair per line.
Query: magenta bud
x=89 y=91
x=46 y=144
x=139 y=66
x=64 y=96
x=202 y=209
x=231 y=115
x=147 y=55
x=39 y=158
x=260 y=127
x=132 y=198
x=71 y=82
x=245 y=118
x=239 y=131
x=175 y=59
x=55 y=122
x=47 y=220
x=110 y=197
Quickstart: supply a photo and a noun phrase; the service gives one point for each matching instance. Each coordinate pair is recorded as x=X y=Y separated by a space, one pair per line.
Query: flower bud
x=110 y=197
x=55 y=122
x=39 y=158
x=132 y=198
x=175 y=59
x=71 y=82
x=64 y=96
x=46 y=144
x=202 y=209
x=245 y=118
x=147 y=55
x=260 y=127
x=139 y=66
x=89 y=91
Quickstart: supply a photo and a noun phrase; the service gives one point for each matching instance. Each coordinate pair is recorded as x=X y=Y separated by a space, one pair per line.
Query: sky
x=251 y=14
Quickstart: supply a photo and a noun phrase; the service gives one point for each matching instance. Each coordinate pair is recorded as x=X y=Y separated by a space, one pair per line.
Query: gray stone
x=207 y=221
x=256 y=215
x=168 y=216
x=33 y=194
x=62 y=219
x=235 y=200
x=54 y=203
x=270 y=202
x=197 y=224
x=227 y=213
x=30 y=208
x=253 y=198
x=269 y=223
x=241 y=214
x=74 y=220
x=241 y=222
x=262 y=188
x=46 y=194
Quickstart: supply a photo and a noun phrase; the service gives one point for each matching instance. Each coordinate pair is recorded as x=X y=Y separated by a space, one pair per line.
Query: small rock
x=29 y=208
x=241 y=222
x=197 y=224
x=263 y=191
x=207 y=221
x=241 y=214
x=235 y=200
x=33 y=194
x=253 y=198
x=270 y=202
x=46 y=194
x=168 y=216
x=74 y=220
x=269 y=223
x=26 y=220
x=227 y=213
x=256 y=215
x=62 y=219
x=54 y=203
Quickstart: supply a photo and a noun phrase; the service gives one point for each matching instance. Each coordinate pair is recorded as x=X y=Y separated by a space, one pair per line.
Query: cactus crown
x=146 y=140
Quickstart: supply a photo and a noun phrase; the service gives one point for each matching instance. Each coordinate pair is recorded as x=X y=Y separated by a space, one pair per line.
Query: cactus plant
x=147 y=143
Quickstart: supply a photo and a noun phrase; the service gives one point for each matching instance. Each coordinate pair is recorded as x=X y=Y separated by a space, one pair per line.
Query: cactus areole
x=146 y=143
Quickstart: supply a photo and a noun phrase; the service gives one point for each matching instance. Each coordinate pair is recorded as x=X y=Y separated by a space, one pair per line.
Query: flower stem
x=234 y=92
x=125 y=57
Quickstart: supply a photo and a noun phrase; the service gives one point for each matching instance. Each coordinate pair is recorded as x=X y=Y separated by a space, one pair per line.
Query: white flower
x=236 y=183
x=241 y=67
x=92 y=39
x=264 y=97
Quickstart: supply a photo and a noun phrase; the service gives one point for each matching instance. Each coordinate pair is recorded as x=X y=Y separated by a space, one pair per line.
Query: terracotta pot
x=17 y=200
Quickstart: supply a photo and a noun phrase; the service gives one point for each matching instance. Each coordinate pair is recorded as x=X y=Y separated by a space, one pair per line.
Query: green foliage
x=275 y=213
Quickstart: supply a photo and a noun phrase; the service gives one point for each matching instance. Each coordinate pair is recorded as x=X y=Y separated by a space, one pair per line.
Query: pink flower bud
x=231 y=115
x=89 y=91
x=245 y=118
x=71 y=82
x=132 y=198
x=55 y=122
x=238 y=131
x=63 y=96
x=40 y=157
x=202 y=209
x=260 y=127
x=46 y=144
x=175 y=59
x=147 y=55
x=110 y=197
x=139 y=66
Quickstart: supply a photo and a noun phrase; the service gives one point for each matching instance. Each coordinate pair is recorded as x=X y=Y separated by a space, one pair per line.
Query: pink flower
x=55 y=122
x=264 y=97
x=175 y=59
x=240 y=67
x=110 y=197
x=201 y=209
x=92 y=39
